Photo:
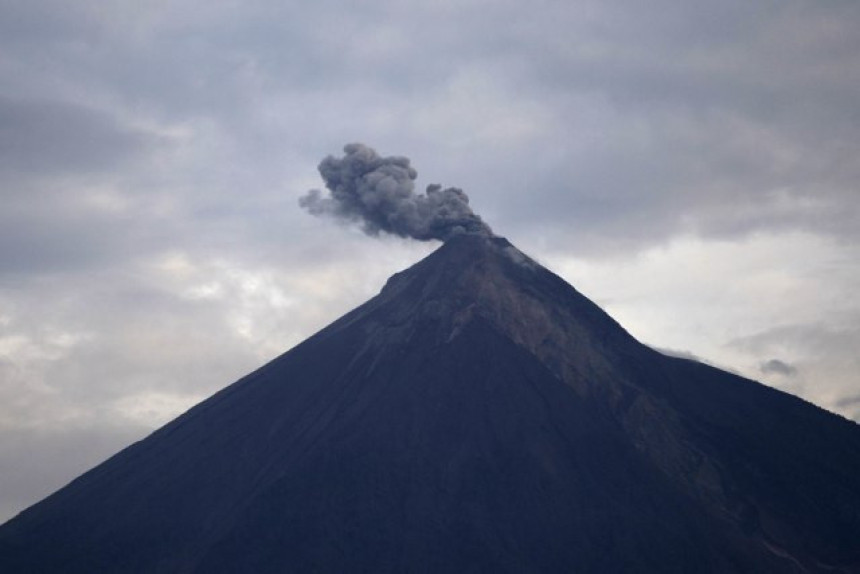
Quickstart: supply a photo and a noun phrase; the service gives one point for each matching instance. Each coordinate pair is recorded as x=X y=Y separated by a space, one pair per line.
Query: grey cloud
x=379 y=193
x=43 y=138
x=721 y=137
x=696 y=108
x=37 y=242
x=705 y=57
x=825 y=358
x=777 y=367
x=819 y=337
x=712 y=175
x=690 y=356
x=680 y=354
x=849 y=401
x=77 y=224
x=36 y=463
x=849 y=406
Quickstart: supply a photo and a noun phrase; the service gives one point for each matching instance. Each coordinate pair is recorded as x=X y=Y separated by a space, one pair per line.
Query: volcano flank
x=478 y=415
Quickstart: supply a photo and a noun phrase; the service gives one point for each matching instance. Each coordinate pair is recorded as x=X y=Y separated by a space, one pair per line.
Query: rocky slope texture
x=478 y=415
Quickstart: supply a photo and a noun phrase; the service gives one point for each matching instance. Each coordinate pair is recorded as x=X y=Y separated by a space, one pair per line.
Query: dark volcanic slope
x=479 y=415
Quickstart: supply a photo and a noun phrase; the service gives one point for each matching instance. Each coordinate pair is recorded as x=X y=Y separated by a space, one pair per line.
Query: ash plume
x=379 y=193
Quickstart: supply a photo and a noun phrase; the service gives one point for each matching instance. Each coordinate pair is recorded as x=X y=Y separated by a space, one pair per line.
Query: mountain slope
x=478 y=415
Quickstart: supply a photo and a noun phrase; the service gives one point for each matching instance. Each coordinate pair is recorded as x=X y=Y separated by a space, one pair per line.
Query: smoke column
x=379 y=193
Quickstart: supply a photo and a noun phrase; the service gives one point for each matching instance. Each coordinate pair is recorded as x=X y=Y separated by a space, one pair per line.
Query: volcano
x=478 y=415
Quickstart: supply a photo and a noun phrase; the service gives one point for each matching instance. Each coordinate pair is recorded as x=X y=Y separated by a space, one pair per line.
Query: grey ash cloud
x=379 y=193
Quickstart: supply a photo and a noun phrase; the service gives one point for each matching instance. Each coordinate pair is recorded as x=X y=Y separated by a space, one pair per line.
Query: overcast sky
x=692 y=167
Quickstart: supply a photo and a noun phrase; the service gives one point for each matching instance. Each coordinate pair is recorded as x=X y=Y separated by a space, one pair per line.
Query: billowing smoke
x=379 y=193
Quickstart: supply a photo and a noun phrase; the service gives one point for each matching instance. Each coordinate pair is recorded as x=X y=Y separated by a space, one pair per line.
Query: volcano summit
x=478 y=415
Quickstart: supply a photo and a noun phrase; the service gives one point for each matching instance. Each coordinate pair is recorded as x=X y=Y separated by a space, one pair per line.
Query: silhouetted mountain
x=478 y=415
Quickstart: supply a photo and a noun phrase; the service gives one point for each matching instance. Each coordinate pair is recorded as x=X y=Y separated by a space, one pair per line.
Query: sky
x=691 y=167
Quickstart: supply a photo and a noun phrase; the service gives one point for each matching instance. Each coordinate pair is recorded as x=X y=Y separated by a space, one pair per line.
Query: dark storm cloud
x=777 y=367
x=379 y=193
